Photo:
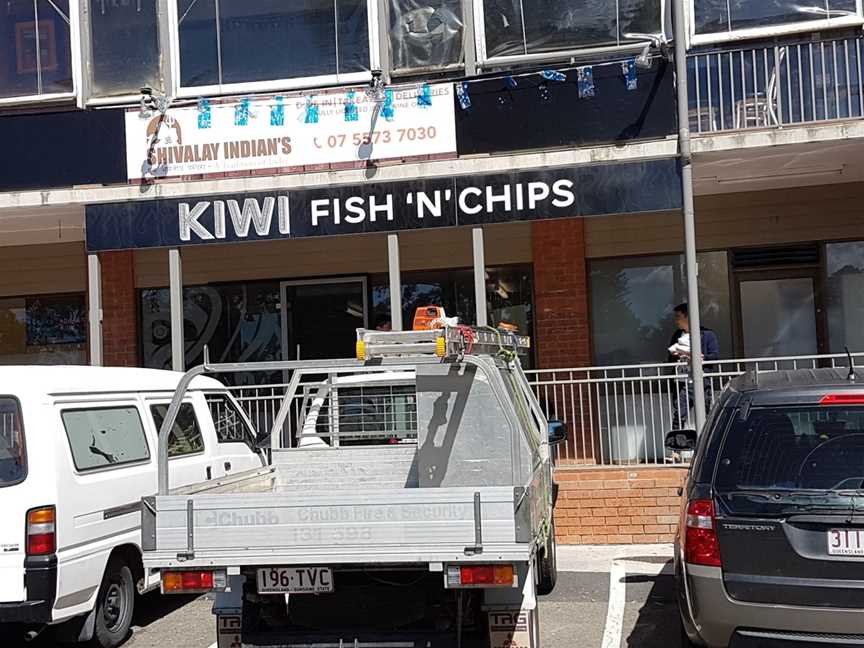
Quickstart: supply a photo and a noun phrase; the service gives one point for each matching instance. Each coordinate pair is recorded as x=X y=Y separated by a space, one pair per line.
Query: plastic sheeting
x=426 y=34
x=560 y=25
x=715 y=16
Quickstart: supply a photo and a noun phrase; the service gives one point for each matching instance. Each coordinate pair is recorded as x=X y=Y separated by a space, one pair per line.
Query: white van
x=78 y=450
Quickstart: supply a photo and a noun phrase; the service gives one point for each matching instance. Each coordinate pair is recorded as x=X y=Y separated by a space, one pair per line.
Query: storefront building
x=496 y=171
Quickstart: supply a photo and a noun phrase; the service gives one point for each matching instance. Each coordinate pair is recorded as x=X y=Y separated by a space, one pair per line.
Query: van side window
x=229 y=423
x=13 y=457
x=185 y=437
x=105 y=436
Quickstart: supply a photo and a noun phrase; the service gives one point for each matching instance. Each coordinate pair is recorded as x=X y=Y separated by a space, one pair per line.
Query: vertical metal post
x=480 y=276
x=680 y=22
x=395 y=282
x=468 y=38
x=94 y=294
x=175 y=279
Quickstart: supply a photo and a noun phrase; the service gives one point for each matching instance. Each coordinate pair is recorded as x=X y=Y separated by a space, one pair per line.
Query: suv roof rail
x=448 y=343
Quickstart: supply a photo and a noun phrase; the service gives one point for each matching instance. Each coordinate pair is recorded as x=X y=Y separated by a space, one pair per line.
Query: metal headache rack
x=447 y=343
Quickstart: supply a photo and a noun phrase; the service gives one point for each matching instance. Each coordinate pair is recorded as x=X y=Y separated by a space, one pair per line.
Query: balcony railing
x=616 y=415
x=776 y=85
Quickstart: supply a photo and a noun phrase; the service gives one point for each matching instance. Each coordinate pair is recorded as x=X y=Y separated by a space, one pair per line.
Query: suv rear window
x=13 y=458
x=794 y=448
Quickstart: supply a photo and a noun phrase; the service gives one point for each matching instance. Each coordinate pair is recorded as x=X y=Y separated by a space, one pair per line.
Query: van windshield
x=793 y=459
x=13 y=458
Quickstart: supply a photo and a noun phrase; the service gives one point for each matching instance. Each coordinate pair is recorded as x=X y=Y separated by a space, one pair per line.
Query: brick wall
x=618 y=505
x=119 y=309
x=560 y=293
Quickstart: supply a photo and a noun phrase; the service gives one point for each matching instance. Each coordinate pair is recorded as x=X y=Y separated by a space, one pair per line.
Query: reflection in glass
x=509 y=297
x=322 y=319
x=267 y=40
x=713 y=16
x=556 y=25
x=425 y=33
x=35 y=55
x=778 y=317
x=632 y=302
x=237 y=322
x=844 y=296
x=45 y=329
x=125 y=54
x=199 y=56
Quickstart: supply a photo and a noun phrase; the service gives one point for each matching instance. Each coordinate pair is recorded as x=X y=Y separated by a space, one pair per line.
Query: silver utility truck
x=407 y=502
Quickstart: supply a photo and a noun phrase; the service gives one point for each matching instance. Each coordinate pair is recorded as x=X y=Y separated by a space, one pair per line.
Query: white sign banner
x=277 y=132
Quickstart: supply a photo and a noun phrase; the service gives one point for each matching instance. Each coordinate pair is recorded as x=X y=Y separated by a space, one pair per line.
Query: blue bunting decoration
x=311 y=111
x=424 y=98
x=553 y=75
x=628 y=69
x=463 y=96
x=388 y=110
x=351 y=112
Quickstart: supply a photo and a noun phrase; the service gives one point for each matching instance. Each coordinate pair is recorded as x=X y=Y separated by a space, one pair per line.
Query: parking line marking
x=615 y=612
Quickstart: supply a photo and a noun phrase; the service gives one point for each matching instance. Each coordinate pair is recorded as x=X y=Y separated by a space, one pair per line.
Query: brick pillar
x=119 y=309
x=560 y=293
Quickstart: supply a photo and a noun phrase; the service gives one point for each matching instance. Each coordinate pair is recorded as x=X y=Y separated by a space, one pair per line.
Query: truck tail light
x=194 y=581
x=41 y=531
x=701 y=546
x=481 y=576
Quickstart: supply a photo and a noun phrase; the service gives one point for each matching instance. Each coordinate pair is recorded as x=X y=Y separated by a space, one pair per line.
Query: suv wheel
x=114 y=606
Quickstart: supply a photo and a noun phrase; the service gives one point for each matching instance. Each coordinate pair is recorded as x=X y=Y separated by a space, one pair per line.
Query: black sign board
x=645 y=186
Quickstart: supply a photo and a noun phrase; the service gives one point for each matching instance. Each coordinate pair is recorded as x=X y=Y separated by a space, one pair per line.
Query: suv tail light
x=842 y=399
x=701 y=546
x=41 y=531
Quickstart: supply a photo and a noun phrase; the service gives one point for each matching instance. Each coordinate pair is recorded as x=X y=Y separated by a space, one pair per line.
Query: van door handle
x=209 y=472
x=227 y=465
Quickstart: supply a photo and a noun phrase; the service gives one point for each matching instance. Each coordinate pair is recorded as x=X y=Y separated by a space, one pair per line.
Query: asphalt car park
x=608 y=597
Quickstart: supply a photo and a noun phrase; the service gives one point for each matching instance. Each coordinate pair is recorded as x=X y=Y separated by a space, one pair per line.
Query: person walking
x=679 y=351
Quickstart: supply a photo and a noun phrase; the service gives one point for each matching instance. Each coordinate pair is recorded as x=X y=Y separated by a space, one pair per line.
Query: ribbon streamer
x=511 y=82
x=628 y=69
x=204 y=113
x=424 y=98
x=241 y=113
x=388 y=110
x=586 y=82
x=463 y=96
x=351 y=112
x=277 y=113
x=311 y=111
x=553 y=75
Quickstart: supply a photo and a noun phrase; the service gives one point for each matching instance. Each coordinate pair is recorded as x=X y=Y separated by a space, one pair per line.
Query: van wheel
x=114 y=606
x=547 y=564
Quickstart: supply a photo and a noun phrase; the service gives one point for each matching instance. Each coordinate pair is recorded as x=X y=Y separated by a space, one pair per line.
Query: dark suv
x=770 y=547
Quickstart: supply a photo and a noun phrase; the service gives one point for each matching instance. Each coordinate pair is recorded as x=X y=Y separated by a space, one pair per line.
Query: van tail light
x=41 y=531
x=701 y=546
x=481 y=576
x=842 y=399
x=194 y=581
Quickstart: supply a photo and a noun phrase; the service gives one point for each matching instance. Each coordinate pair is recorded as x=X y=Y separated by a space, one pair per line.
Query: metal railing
x=616 y=415
x=776 y=85
x=621 y=415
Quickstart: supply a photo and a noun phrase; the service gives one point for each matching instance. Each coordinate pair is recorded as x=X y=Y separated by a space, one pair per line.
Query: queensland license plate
x=846 y=542
x=295 y=580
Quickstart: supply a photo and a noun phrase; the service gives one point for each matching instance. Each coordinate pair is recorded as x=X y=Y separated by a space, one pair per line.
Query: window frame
x=91 y=407
x=484 y=60
x=779 y=29
x=151 y=404
x=469 y=40
x=76 y=64
x=180 y=91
